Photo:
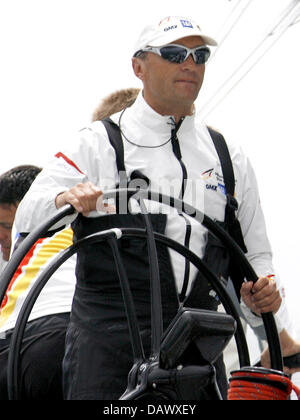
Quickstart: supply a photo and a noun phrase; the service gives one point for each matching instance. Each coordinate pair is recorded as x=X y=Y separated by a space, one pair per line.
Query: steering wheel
x=112 y=236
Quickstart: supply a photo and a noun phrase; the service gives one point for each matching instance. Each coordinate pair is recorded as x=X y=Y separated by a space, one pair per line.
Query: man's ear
x=138 y=66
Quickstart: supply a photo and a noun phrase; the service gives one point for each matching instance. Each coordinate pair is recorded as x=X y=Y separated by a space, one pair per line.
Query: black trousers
x=41 y=359
x=98 y=354
x=96 y=364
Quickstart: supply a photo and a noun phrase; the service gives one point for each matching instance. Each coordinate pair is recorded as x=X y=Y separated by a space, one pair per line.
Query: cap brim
x=209 y=41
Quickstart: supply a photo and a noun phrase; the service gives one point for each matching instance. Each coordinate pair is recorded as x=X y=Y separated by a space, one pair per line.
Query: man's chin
x=187 y=94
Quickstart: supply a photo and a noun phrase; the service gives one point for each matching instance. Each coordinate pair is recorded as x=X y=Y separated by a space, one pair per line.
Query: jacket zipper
x=177 y=153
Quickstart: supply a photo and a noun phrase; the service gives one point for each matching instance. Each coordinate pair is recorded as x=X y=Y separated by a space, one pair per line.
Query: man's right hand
x=83 y=197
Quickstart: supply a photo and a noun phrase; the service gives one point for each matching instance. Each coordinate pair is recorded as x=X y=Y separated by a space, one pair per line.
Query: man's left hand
x=263 y=296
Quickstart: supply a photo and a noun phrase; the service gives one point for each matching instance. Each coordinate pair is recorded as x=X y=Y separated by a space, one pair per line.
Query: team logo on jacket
x=222 y=188
x=207 y=174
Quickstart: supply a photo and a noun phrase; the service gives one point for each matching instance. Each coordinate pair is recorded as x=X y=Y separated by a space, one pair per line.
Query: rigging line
x=246 y=73
x=270 y=33
x=282 y=17
x=286 y=13
x=295 y=23
x=229 y=16
x=235 y=22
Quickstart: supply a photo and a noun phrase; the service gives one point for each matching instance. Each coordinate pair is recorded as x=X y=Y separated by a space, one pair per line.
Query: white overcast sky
x=60 y=57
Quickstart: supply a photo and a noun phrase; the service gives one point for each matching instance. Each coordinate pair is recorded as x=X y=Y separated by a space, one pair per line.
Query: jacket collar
x=141 y=113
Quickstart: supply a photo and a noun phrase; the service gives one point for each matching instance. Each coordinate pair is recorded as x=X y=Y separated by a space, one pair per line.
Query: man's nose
x=189 y=63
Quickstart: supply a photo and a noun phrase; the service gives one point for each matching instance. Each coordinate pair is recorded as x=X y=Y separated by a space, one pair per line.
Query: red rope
x=261 y=384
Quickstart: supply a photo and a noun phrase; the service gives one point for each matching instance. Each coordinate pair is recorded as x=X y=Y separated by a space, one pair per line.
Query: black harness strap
x=229 y=181
x=115 y=138
x=225 y=160
x=231 y=222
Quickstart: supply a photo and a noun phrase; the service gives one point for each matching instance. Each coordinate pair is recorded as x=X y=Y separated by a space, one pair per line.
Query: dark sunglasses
x=178 y=53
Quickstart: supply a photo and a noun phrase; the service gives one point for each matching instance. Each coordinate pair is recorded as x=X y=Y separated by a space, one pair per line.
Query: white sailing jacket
x=147 y=148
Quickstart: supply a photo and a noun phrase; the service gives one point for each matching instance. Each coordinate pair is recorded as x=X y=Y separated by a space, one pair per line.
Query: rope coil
x=261 y=384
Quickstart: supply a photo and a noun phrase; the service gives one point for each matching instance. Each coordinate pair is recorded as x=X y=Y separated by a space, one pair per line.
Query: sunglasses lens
x=173 y=54
x=202 y=55
x=177 y=54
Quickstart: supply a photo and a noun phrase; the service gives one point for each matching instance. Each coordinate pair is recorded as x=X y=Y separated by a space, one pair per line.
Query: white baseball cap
x=169 y=30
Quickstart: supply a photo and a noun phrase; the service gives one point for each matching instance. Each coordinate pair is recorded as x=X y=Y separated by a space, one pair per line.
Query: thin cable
x=140 y=145
x=288 y=12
